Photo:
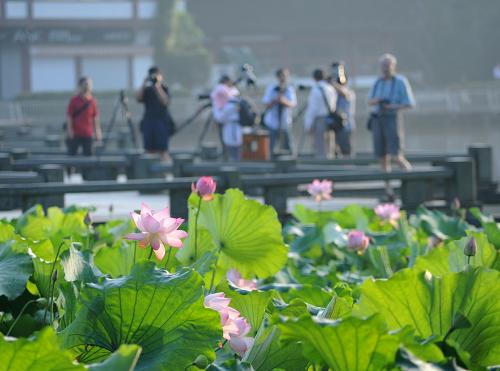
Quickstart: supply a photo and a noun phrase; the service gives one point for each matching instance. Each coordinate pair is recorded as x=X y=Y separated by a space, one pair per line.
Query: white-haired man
x=389 y=95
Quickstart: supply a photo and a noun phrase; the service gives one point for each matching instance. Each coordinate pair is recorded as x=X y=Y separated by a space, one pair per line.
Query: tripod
x=297 y=116
x=206 y=125
x=121 y=103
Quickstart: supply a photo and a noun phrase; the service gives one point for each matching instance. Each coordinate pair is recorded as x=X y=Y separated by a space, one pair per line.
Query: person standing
x=157 y=124
x=346 y=105
x=321 y=101
x=228 y=117
x=83 y=120
x=390 y=94
x=280 y=99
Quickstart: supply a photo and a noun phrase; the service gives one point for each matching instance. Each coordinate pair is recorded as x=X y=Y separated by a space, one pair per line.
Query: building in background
x=46 y=45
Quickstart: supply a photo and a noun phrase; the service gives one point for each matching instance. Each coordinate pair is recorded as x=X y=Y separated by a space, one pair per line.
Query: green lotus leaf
x=41 y=352
x=118 y=260
x=231 y=365
x=251 y=305
x=247 y=232
x=351 y=344
x=490 y=226
x=268 y=354
x=124 y=359
x=431 y=306
x=451 y=258
x=15 y=270
x=436 y=223
x=162 y=313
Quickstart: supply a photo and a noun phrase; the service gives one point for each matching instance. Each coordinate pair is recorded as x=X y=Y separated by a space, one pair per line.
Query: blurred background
x=448 y=49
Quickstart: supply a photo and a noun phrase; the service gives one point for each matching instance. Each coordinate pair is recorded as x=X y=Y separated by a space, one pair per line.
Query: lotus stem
x=168 y=257
x=196 y=229
x=19 y=316
x=215 y=270
x=52 y=282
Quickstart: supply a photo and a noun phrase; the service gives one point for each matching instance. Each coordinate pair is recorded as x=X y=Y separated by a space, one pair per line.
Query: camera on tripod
x=248 y=75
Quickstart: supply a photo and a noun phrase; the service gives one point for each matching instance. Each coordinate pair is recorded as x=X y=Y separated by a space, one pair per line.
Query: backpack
x=248 y=113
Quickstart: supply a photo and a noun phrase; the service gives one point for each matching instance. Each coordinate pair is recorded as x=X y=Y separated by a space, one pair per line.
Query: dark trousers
x=75 y=143
x=274 y=141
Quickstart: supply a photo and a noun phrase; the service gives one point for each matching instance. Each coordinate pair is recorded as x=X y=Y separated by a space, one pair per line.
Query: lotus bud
x=201 y=362
x=357 y=241
x=205 y=187
x=88 y=219
x=428 y=276
x=471 y=248
x=456 y=204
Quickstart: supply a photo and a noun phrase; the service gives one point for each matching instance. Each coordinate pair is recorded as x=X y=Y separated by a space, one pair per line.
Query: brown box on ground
x=256 y=147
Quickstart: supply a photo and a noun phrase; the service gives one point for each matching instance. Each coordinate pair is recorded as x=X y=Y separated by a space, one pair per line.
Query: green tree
x=179 y=45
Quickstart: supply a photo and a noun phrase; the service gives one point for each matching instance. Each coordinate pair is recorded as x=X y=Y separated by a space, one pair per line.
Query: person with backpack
x=279 y=98
x=346 y=104
x=157 y=125
x=82 y=120
x=226 y=112
x=321 y=102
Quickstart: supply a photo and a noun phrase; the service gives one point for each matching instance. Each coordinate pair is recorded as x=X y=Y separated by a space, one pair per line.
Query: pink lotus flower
x=357 y=241
x=320 y=190
x=205 y=187
x=216 y=301
x=235 y=279
x=239 y=342
x=157 y=230
x=388 y=212
x=234 y=327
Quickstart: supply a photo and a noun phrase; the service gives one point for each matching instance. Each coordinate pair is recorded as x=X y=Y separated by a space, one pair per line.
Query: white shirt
x=316 y=106
x=229 y=117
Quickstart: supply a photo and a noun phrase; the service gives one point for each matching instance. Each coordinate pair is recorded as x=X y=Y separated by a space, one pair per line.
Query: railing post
x=285 y=164
x=482 y=154
x=5 y=161
x=19 y=154
x=230 y=178
x=179 y=161
x=414 y=192
x=462 y=185
x=276 y=196
x=52 y=174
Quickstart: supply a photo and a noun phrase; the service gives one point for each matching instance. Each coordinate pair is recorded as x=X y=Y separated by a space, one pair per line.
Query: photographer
x=82 y=120
x=389 y=95
x=322 y=100
x=279 y=99
x=157 y=124
x=346 y=104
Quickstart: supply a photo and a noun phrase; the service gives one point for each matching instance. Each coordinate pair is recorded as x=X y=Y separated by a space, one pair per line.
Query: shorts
x=75 y=143
x=386 y=135
x=155 y=134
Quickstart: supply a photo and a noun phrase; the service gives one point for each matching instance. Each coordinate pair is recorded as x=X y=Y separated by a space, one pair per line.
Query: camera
x=248 y=74
x=153 y=79
x=302 y=87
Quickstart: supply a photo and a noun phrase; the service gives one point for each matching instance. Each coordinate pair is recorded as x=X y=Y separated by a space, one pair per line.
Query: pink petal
x=137 y=220
x=145 y=209
x=241 y=344
x=156 y=243
x=151 y=225
x=169 y=225
x=164 y=214
x=174 y=242
x=160 y=253
x=135 y=236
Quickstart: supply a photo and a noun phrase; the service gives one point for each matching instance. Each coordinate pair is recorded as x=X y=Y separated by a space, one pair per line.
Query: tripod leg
x=204 y=132
x=110 y=125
